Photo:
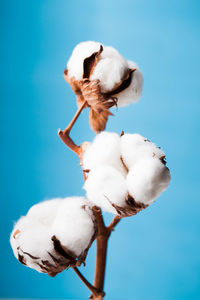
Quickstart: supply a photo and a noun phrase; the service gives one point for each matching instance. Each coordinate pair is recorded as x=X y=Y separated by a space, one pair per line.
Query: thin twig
x=64 y=134
x=77 y=114
x=113 y=223
x=86 y=282
x=69 y=142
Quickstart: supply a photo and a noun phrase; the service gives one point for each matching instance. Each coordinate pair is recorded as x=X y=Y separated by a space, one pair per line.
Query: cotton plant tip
x=54 y=235
x=105 y=150
x=147 y=180
x=106 y=188
x=135 y=147
x=102 y=77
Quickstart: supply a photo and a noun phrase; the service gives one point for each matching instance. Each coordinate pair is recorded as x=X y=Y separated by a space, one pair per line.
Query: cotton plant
x=123 y=174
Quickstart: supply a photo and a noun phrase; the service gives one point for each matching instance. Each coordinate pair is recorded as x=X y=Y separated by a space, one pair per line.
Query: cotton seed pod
x=103 y=78
x=124 y=191
x=54 y=235
x=147 y=180
x=135 y=147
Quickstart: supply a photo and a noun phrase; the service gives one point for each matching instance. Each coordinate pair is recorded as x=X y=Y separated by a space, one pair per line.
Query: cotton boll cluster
x=54 y=235
x=125 y=174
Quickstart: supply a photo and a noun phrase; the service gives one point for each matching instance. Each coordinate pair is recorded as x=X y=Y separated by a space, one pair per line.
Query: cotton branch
x=103 y=232
x=113 y=223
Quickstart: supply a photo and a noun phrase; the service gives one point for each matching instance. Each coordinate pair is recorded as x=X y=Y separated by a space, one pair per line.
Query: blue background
x=154 y=255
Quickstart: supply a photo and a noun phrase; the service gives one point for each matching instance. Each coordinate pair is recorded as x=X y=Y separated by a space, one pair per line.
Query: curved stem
x=77 y=114
x=64 y=134
x=86 y=282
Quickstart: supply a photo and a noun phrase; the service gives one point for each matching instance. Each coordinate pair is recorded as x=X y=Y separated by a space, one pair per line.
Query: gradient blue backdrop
x=154 y=255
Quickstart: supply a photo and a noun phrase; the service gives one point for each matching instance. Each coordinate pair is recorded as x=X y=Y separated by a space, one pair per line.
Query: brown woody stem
x=87 y=283
x=77 y=114
x=113 y=223
x=64 y=135
x=103 y=232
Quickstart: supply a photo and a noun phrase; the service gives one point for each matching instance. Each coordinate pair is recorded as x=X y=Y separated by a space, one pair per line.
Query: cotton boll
x=106 y=186
x=45 y=211
x=74 y=225
x=133 y=92
x=110 y=69
x=105 y=149
x=80 y=52
x=147 y=180
x=35 y=237
x=135 y=147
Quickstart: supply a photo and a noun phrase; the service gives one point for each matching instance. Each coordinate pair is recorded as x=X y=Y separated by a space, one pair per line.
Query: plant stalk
x=103 y=232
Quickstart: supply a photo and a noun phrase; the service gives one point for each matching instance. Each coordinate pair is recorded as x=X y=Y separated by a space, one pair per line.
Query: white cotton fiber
x=80 y=52
x=104 y=186
x=135 y=147
x=133 y=92
x=31 y=238
x=105 y=149
x=50 y=208
x=70 y=220
x=110 y=69
x=77 y=219
x=147 y=180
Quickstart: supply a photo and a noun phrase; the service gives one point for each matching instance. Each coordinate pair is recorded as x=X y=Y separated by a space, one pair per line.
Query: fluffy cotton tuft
x=105 y=186
x=140 y=179
x=80 y=52
x=133 y=92
x=54 y=235
x=135 y=147
x=77 y=217
x=147 y=180
x=105 y=150
x=110 y=69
